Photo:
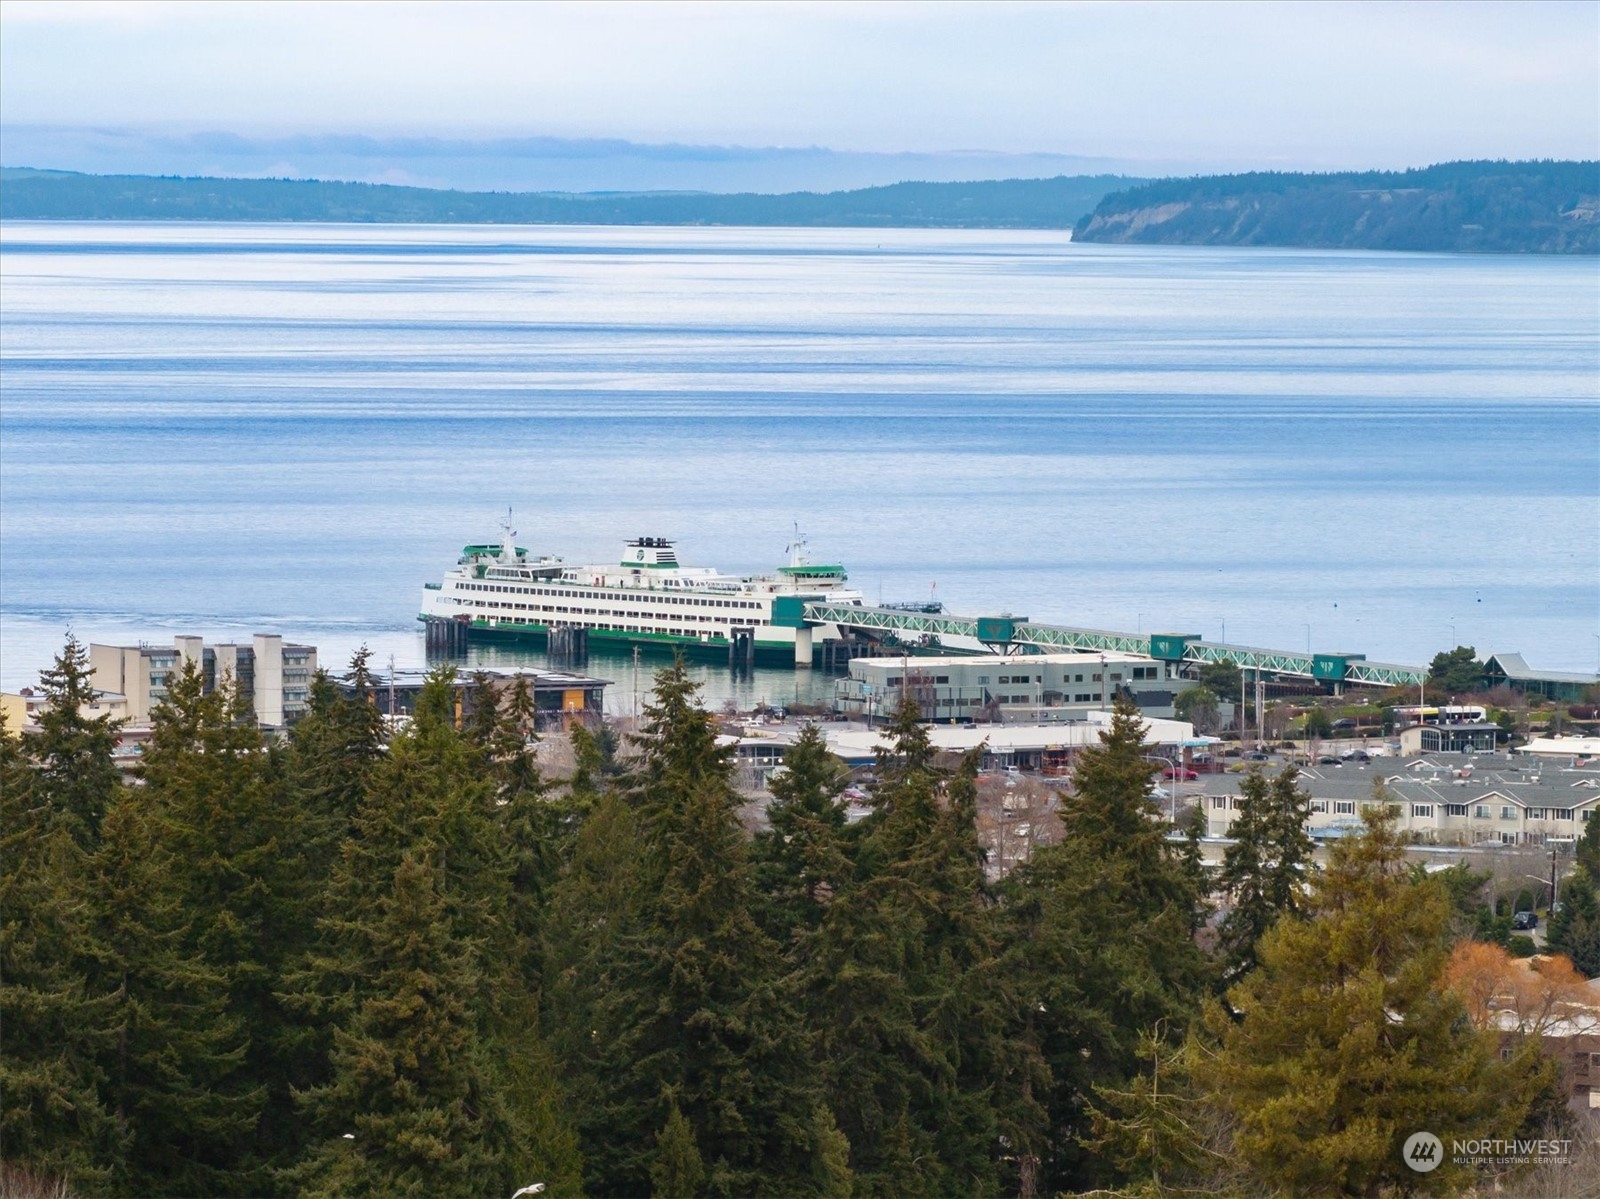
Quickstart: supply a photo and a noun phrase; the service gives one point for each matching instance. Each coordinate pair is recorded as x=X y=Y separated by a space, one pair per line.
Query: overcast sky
x=1251 y=84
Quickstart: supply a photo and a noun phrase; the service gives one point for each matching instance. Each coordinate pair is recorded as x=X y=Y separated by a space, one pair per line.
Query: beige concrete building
x=22 y=708
x=274 y=675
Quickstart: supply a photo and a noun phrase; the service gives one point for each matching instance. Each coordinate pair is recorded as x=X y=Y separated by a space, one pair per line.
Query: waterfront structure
x=1031 y=689
x=1045 y=748
x=1459 y=800
x=274 y=675
x=559 y=697
x=648 y=598
x=1509 y=670
x=1012 y=633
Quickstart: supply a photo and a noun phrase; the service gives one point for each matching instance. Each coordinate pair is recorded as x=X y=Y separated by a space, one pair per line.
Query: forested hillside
x=351 y=965
x=999 y=204
x=1501 y=207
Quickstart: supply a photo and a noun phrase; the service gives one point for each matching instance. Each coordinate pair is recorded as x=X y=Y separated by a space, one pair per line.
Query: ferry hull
x=766 y=653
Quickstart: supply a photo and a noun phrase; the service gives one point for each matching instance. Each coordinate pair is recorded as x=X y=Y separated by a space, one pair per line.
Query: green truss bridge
x=1008 y=632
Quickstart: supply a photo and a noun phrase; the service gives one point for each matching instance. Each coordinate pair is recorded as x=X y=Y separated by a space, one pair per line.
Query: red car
x=1187 y=775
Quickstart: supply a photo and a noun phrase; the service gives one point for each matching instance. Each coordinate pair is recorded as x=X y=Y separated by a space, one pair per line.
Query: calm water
x=227 y=428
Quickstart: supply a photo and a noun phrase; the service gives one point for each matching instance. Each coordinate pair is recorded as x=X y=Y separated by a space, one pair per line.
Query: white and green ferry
x=501 y=592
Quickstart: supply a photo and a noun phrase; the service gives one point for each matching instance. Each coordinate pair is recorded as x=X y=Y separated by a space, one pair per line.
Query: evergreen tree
x=332 y=752
x=1101 y=929
x=1588 y=847
x=483 y=724
x=676 y=1171
x=76 y=776
x=51 y=1117
x=411 y=1086
x=1158 y=1128
x=1346 y=1044
x=435 y=786
x=831 y=1173
x=170 y=1053
x=679 y=1009
x=536 y=825
x=1575 y=930
x=428 y=841
x=597 y=762
x=237 y=864
x=1264 y=870
x=902 y=983
x=802 y=858
x=512 y=744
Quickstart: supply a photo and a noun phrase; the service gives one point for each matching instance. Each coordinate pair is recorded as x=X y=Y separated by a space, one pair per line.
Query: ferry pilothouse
x=501 y=592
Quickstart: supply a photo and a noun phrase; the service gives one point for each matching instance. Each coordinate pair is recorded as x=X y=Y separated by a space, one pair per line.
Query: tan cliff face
x=1528 y=208
x=1132 y=223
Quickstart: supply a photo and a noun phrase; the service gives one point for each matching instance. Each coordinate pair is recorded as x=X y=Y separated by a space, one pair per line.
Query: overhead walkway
x=1005 y=632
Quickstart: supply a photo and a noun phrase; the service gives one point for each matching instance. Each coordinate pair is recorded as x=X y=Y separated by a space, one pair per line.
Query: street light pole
x=1177 y=781
x=1552 y=879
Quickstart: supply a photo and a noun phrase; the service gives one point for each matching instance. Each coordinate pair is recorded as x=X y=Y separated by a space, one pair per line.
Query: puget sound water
x=236 y=428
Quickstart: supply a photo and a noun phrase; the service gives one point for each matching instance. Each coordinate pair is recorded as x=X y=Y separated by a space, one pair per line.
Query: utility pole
x=391 y=690
x=1241 y=708
x=1552 y=878
x=636 y=688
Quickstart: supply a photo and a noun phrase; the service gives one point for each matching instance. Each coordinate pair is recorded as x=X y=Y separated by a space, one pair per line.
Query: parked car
x=1186 y=774
x=1357 y=755
x=1329 y=760
x=1257 y=756
x=1525 y=920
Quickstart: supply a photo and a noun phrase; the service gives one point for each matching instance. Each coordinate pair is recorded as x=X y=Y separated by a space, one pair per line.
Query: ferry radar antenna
x=508 y=543
x=797 y=548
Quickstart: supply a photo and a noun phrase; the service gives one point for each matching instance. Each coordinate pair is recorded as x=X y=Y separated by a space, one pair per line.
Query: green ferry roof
x=468 y=551
x=807 y=571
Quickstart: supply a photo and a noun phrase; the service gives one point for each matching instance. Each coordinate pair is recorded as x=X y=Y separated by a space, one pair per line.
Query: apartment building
x=273 y=674
x=1443 y=799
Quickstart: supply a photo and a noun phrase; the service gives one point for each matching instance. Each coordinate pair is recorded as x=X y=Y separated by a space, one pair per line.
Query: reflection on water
x=273 y=428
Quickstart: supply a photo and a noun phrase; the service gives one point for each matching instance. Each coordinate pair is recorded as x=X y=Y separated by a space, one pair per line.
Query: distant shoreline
x=1059 y=203
x=1464 y=207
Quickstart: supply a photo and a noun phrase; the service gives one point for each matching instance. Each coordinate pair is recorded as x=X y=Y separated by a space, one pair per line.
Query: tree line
x=358 y=961
x=1534 y=207
x=1055 y=203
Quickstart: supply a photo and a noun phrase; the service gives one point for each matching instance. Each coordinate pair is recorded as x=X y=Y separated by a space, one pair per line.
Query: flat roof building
x=1574 y=748
x=1452 y=737
x=274 y=675
x=1048 y=748
x=1008 y=689
x=559 y=696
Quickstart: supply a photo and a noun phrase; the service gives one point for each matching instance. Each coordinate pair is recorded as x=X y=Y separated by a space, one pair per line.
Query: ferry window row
x=630 y=597
x=562 y=609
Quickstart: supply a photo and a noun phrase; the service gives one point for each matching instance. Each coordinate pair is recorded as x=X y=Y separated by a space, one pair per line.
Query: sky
x=1200 y=86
